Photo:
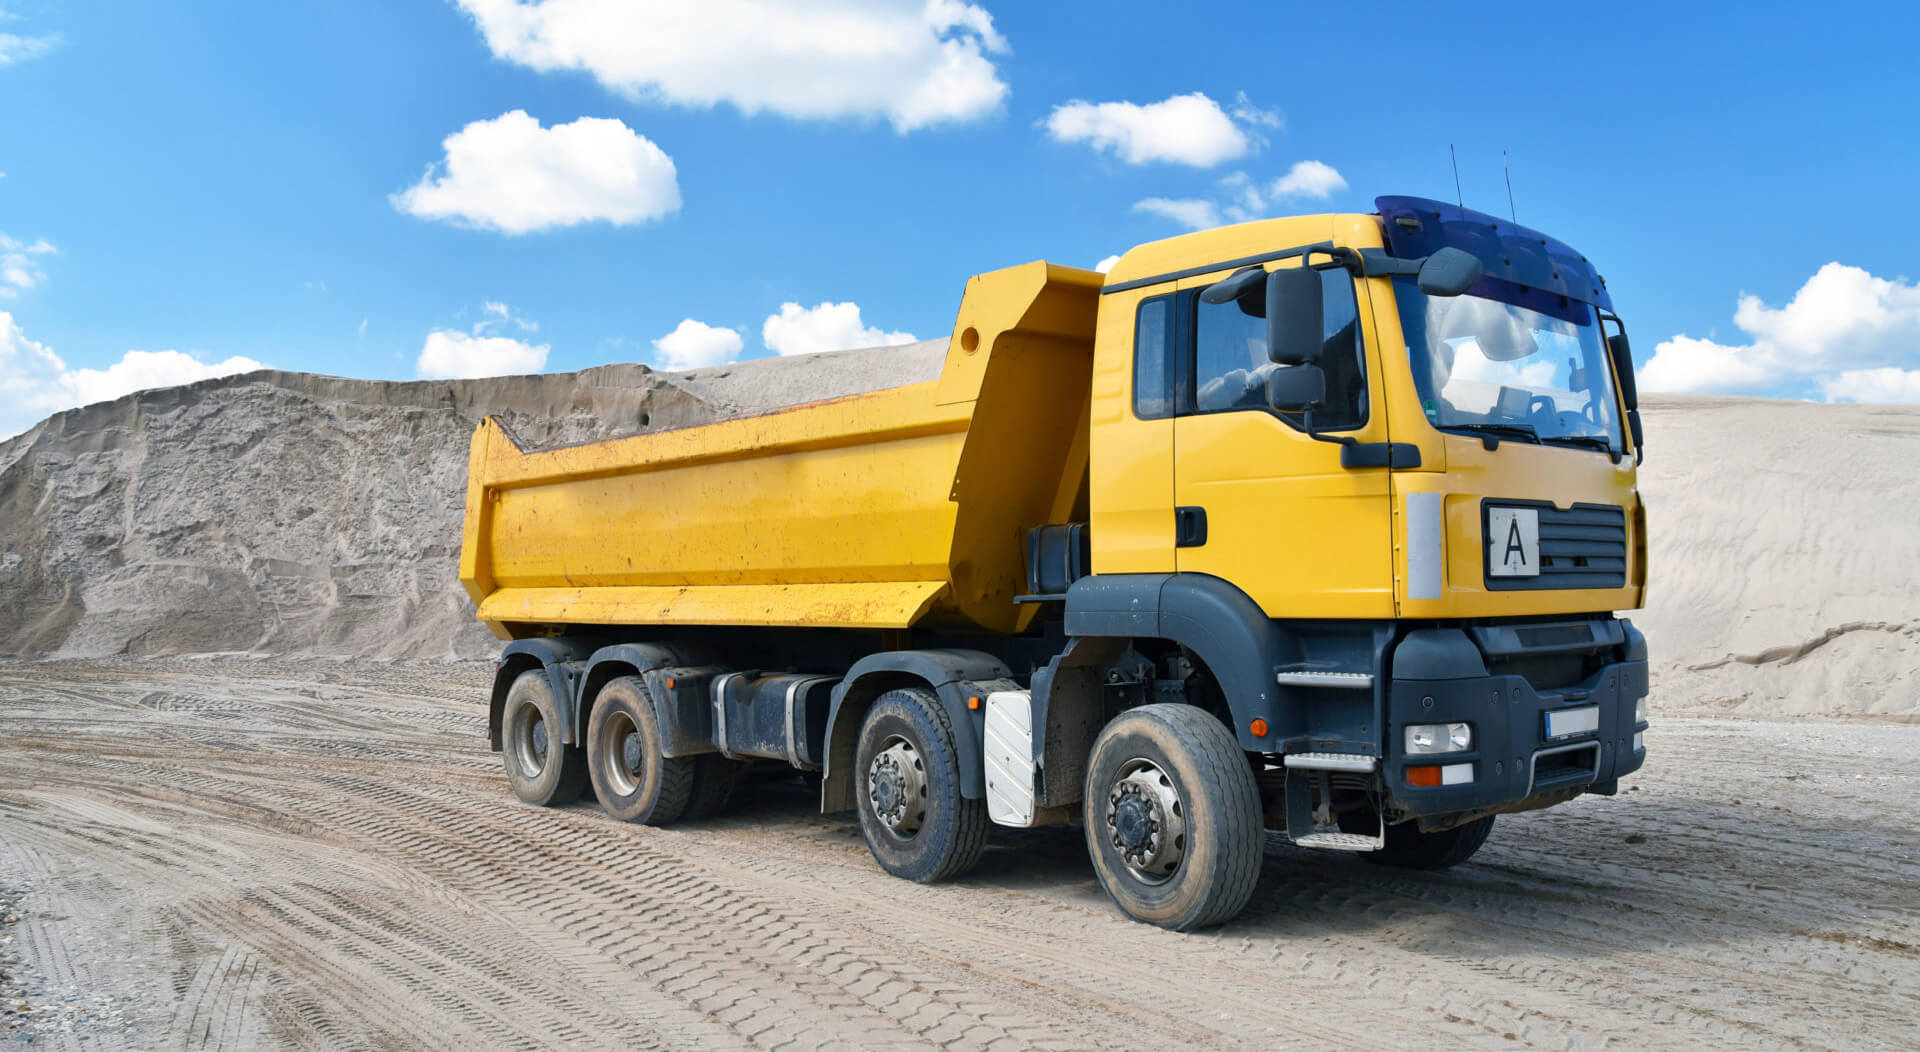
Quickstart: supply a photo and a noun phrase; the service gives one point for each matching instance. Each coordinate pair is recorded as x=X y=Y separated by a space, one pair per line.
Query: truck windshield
x=1510 y=362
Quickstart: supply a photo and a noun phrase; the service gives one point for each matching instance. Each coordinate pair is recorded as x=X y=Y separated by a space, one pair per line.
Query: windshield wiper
x=1583 y=441
x=1491 y=432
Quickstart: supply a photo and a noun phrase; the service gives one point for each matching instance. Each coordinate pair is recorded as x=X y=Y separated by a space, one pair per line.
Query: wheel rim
x=897 y=787
x=1147 y=821
x=530 y=742
x=622 y=754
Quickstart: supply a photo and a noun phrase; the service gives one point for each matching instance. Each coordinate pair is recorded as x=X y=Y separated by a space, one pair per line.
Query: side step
x=1342 y=841
x=1359 y=763
x=1318 y=678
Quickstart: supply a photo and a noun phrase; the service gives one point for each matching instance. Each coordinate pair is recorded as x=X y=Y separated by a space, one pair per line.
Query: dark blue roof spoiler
x=1418 y=227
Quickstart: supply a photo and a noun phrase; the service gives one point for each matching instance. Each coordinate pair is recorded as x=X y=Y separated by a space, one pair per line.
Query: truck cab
x=1421 y=555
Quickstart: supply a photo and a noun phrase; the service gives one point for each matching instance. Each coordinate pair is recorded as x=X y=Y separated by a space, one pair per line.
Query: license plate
x=1565 y=723
x=1513 y=542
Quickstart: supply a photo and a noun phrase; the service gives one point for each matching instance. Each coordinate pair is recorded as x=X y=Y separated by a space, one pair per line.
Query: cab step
x=1342 y=841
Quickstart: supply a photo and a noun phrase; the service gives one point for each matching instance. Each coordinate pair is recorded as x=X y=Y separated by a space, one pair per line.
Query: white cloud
x=18 y=268
x=1845 y=332
x=1106 y=264
x=1184 y=129
x=1309 y=179
x=1247 y=113
x=1187 y=211
x=450 y=354
x=1887 y=384
x=913 y=62
x=35 y=382
x=145 y=370
x=510 y=174
x=498 y=313
x=693 y=345
x=1242 y=199
x=828 y=327
x=21 y=49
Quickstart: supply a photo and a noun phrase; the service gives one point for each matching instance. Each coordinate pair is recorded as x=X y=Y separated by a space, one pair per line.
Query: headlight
x=1431 y=738
x=1640 y=709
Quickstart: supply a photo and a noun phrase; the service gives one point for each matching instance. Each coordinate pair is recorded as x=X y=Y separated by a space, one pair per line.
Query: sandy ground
x=233 y=853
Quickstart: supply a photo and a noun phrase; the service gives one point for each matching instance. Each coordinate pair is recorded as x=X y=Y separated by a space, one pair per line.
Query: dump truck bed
x=877 y=510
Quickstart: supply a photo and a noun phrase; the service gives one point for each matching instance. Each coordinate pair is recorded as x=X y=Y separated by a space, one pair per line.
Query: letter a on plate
x=1513 y=542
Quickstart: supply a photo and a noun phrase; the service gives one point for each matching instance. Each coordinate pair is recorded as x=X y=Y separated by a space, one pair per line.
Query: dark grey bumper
x=1512 y=757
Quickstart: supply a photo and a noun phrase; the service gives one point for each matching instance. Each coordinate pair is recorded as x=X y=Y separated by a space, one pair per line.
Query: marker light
x=1429 y=738
x=1433 y=775
x=1640 y=709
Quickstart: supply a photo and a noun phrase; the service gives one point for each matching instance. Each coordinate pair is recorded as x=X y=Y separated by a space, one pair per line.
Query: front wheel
x=1173 y=817
x=1409 y=848
x=915 y=821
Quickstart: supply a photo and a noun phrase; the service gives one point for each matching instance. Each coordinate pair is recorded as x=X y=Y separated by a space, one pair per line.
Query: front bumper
x=1441 y=676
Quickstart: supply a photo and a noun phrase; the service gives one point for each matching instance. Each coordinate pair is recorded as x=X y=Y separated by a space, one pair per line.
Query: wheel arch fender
x=949 y=673
x=559 y=656
x=622 y=659
x=1236 y=640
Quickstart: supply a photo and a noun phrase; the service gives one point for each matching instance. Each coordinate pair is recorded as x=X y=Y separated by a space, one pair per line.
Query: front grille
x=1584 y=546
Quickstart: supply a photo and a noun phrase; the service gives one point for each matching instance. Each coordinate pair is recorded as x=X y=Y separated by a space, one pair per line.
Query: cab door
x=1259 y=502
x=1131 y=442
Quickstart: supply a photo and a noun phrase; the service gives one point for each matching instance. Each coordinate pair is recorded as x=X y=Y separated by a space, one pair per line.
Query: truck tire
x=907 y=771
x=542 y=769
x=714 y=777
x=634 y=782
x=1173 y=817
x=1409 y=848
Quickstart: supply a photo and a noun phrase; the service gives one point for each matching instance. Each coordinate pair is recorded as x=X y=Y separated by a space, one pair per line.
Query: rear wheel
x=634 y=782
x=915 y=821
x=1173 y=817
x=1409 y=848
x=541 y=767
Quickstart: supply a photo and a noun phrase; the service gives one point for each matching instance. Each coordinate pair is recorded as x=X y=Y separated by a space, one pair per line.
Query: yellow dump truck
x=1314 y=524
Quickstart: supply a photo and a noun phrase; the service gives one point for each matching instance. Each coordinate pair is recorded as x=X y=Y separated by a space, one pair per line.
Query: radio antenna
x=1509 y=170
x=1457 y=195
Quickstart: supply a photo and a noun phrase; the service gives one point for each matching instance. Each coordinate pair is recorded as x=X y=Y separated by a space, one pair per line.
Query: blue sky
x=228 y=180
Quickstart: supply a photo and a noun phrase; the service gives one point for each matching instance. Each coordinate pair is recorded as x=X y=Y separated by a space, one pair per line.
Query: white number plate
x=1513 y=542
x=1564 y=723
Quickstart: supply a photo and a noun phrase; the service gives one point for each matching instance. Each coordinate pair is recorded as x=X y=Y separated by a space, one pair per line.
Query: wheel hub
x=622 y=754
x=527 y=743
x=897 y=787
x=1146 y=821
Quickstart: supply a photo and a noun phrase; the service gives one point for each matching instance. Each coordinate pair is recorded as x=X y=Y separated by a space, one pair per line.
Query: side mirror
x=1623 y=364
x=1297 y=388
x=1449 y=272
x=1633 y=428
x=1295 y=316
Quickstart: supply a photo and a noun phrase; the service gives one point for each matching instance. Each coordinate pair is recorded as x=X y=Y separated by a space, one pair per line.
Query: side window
x=1230 y=366
x=1152 y=380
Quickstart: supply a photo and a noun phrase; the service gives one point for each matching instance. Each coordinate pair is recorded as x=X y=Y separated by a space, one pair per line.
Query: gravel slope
x=253 y=853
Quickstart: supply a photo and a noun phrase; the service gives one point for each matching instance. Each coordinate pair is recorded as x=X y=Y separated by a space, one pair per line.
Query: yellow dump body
x=877 y=510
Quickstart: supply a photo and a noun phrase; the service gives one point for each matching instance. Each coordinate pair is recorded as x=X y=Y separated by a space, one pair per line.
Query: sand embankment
x=1784 y=575
x=289 y=513
x=297 y=514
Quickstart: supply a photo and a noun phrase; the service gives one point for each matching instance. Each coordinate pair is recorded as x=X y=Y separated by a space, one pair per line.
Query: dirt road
x=246 y=853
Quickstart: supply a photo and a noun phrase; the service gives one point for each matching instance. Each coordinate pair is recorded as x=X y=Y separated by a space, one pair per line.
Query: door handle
x=1189 y=526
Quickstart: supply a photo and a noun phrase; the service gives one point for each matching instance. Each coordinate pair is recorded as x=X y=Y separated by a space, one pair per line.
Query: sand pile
x=1784 y=575
x=298 y=514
